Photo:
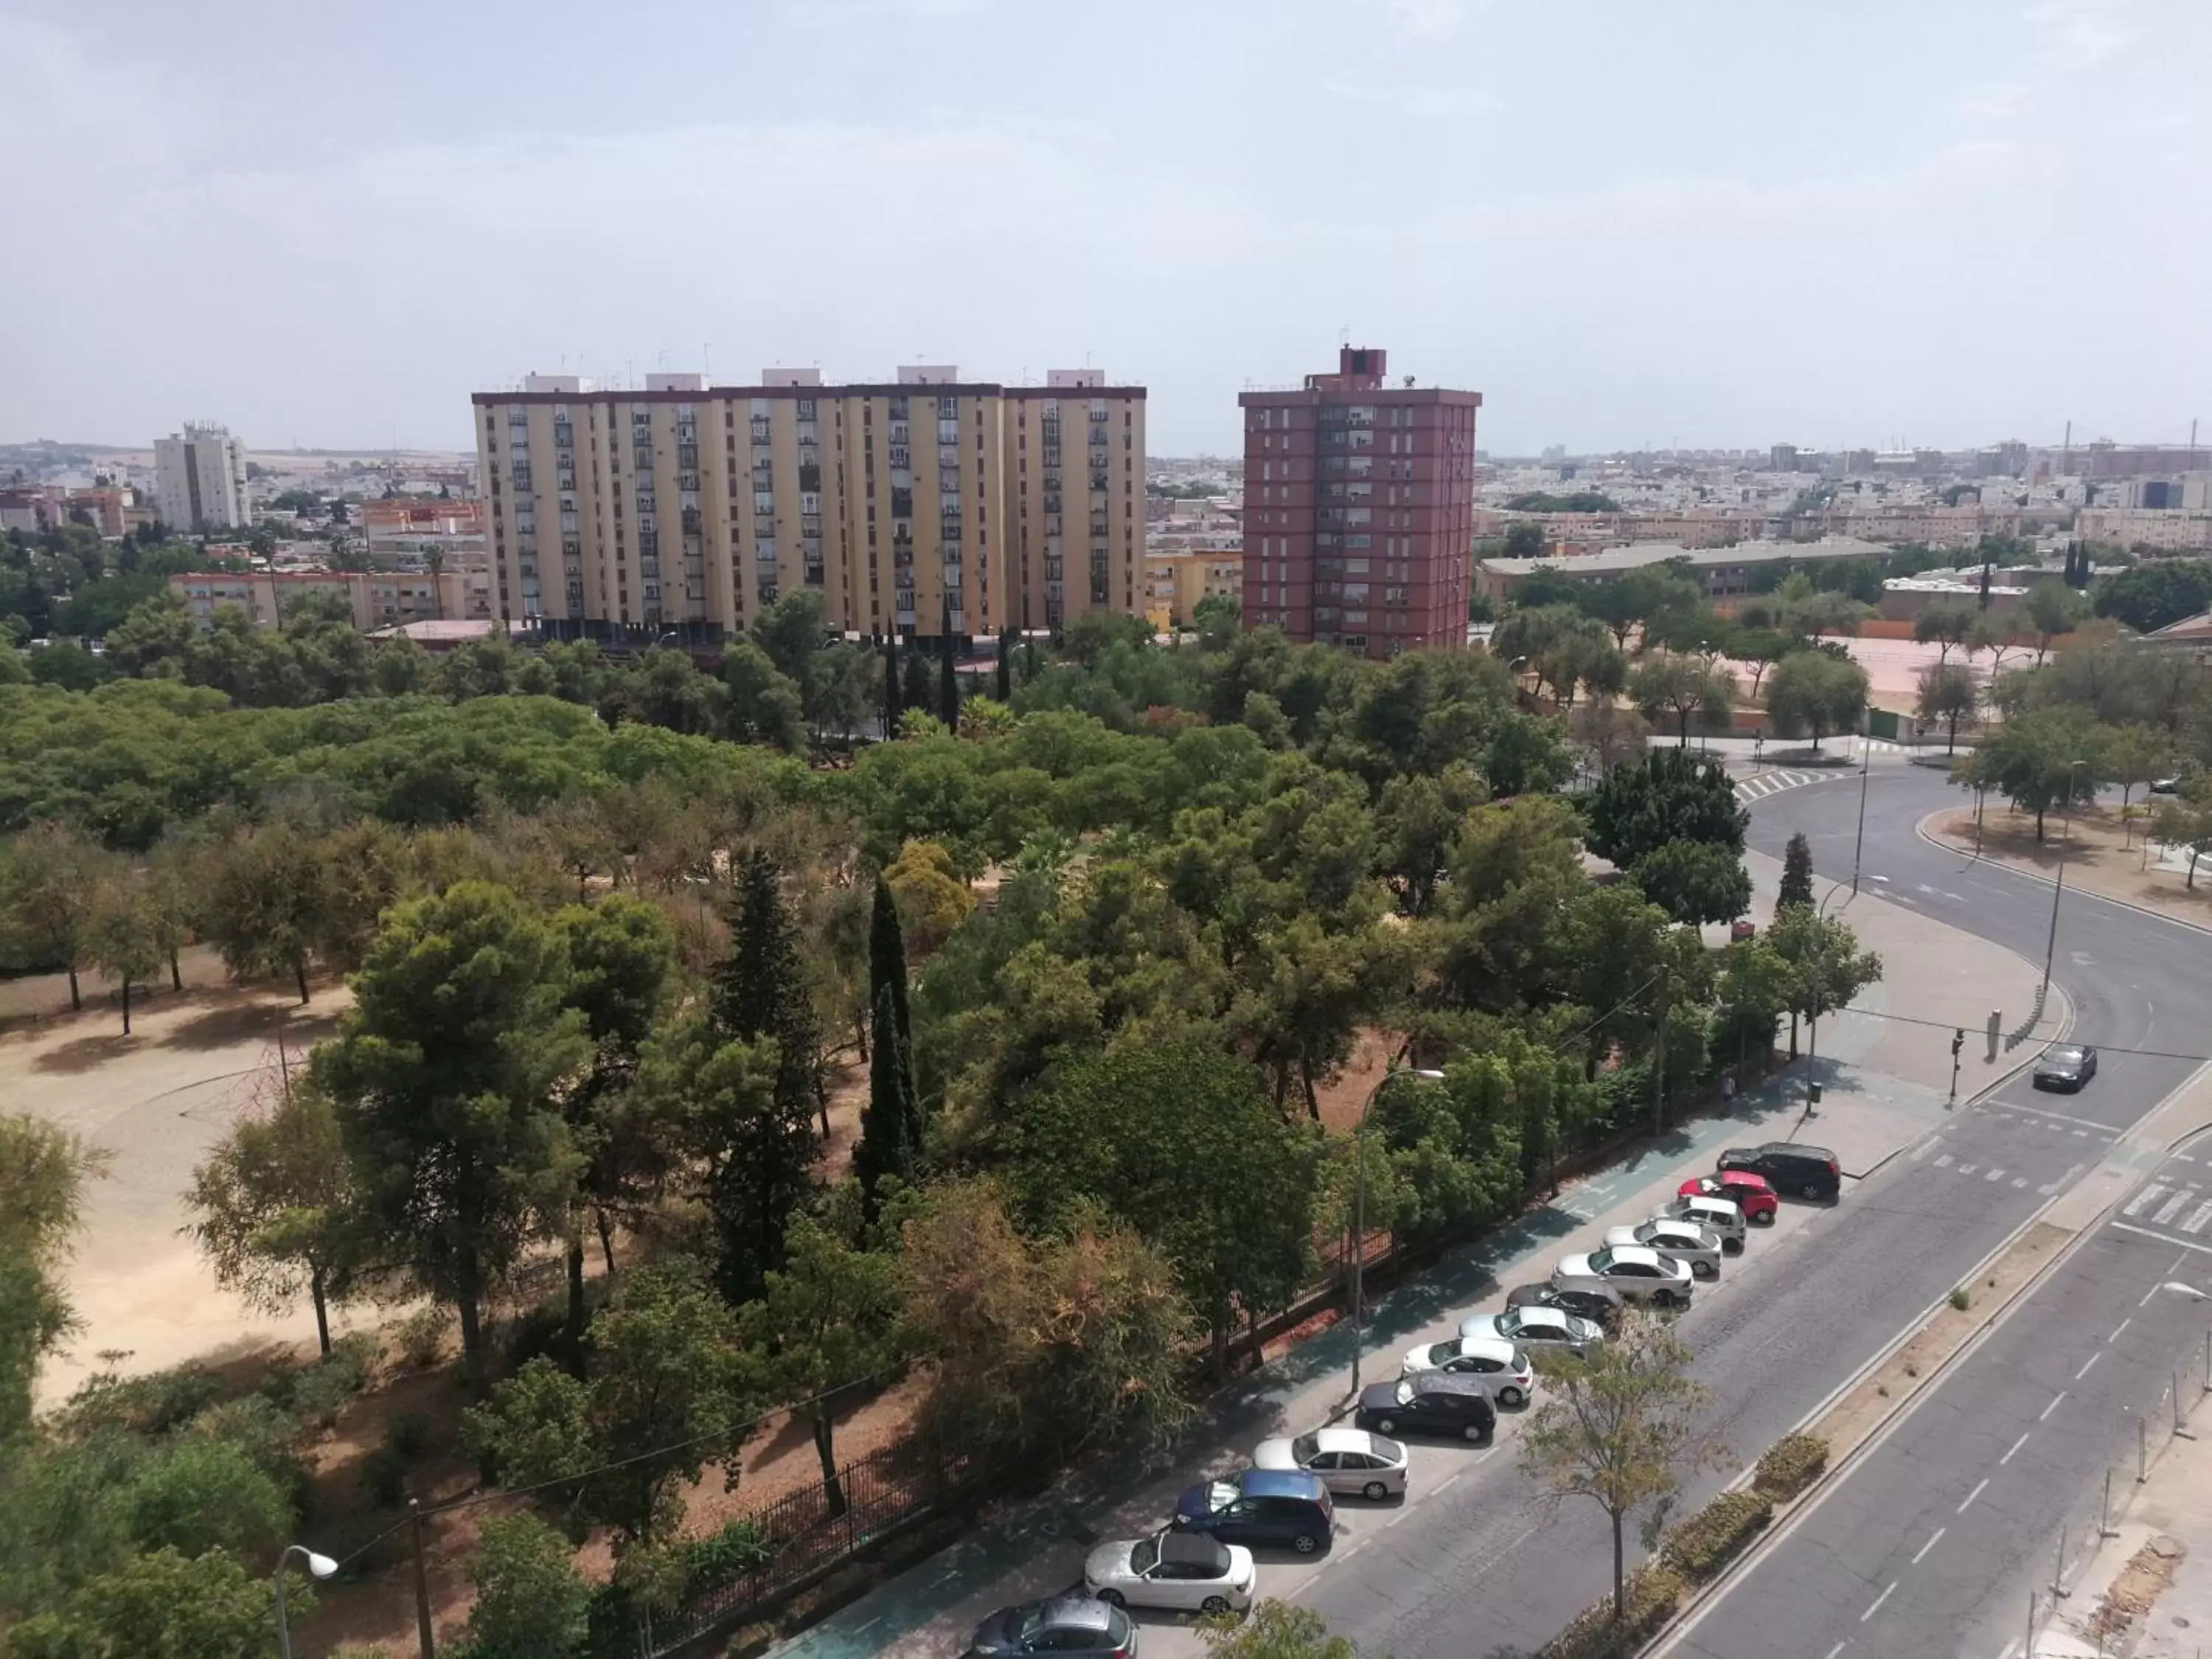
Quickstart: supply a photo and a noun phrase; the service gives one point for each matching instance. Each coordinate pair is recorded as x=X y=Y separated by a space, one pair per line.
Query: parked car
x=1435 y=1402
x=1636 y=1271
x=1496 y=1363
x=1188 y=1571
x=2065 y=1066
x=1059 y=1624
x=2166 y=786
x=1789 y=1167
x=1747 y=1190
x=1538 y=1327
x=1276 y=1508
x=1720 y=1217
x=1600 y=1303
x=1683 y=1241
x=1350 y=1462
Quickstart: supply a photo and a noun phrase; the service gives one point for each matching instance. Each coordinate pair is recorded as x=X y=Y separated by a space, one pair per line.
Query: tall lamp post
x=2058 y=887
x=1429 y=1074
x=1866 y=762
x=320 y=1566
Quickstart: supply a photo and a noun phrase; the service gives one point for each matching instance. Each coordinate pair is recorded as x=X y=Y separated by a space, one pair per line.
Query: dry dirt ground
x=2096 y=858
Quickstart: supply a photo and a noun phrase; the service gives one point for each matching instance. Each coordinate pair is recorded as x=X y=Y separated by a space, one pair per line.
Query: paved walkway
x=1886 y=1083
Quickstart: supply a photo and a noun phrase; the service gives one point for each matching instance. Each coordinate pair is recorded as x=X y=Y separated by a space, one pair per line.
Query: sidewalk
x=1886 y=1085
x=2147 y=874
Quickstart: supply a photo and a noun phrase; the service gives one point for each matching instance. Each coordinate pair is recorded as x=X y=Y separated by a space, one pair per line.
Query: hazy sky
x=1623 y=222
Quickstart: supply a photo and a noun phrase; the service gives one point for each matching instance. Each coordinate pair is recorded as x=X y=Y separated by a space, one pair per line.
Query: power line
x=1953 y=1025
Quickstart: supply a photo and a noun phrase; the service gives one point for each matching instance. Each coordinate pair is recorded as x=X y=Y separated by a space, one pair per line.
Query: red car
x=1751 y=1194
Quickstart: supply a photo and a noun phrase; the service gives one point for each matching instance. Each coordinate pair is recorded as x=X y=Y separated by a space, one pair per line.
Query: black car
x=2065 y=1066
x=1790 y=1167
x=1603 y=1306
x=1429 y=1402
x=1270 y=1508
x=1063 y=1623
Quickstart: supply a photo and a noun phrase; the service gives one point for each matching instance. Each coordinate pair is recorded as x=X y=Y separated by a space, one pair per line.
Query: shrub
x=530 y=1603
x=315 y=1394
x=1653 y=1595
x=1790 y=1465
x=421 y=1336
x=1701 y=1545
x=407 y=1433
x=721 y=1558
x=384 y=1477
x=1960 y=1299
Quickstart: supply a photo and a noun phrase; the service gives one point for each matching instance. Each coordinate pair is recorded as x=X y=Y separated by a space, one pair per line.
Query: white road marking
x=2019 y=1180
x=1878 y=1601
x=2197 y=1217
x=1976 y=1491
x=2058 y=1117
x=1835 y=1649
x=2007 y=1458
x=2135 y=1205
x=2053 y=1407
x=2172 y=1207
x=2085 y=1364
x=1449 y=1479
x=1927 y=1546
x=2080 y=1134
x=1968 y=1169
x=1944 y=1161
x=1994 y=1174
x=2117 y=1328
x=1920 y=1152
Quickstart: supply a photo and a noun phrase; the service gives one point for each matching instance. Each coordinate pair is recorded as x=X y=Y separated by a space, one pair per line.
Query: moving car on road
x=1679 y=1241
x=1267 y=1507
x=1538 y=1327
x=1061 y=1624
x=1636 y=1271
x=1186 y=1570
x=1435 y=1402
x=1600 y=1304
x=1748 y=1191
x=1490 y=1360
x=2065 y=1066
x=1717 y=1216
x=1789 y=1167
x=1350 y=1462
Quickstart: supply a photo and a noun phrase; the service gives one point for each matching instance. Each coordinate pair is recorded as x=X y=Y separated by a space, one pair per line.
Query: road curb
x=1807 y=1501
x=1920 y=830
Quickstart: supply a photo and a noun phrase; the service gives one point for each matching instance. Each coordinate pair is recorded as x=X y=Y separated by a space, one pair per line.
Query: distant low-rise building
x=1904 y=598
x=374 y=598
x=1175 y=581
x=2165 y=531
x=412 y=529
x=1724 y=573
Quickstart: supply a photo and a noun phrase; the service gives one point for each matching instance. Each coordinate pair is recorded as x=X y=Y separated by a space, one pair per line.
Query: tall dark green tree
x=915 y=689
x=1671 y=796
x=948 y=680
x=890 y=1123
x=894 y=706
x=1003 y=688
x=1796 y=872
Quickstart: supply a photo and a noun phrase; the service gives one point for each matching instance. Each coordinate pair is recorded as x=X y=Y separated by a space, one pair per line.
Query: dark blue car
x=1279 y=1509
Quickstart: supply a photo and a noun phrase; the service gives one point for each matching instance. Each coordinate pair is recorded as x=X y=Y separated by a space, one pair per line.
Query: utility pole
x=1957 y=1042
x=422 y=1582
x=1866 y=760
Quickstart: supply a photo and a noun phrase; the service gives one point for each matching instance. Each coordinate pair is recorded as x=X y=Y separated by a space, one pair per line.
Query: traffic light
x=1958 y=1041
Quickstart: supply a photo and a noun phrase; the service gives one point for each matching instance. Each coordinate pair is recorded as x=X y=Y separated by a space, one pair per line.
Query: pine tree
x=1796 y=872
x=1004 y=689
x=894 y=706
x=891 y=1124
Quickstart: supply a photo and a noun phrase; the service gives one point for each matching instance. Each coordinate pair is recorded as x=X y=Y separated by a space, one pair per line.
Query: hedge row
x=1653 y=1595
x=1790 y=1465
x=1700 y=1546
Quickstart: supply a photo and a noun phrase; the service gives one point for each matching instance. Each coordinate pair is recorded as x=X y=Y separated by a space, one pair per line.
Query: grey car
x=1350 y=1462
x=1062 y=1623
x=2065 y=1066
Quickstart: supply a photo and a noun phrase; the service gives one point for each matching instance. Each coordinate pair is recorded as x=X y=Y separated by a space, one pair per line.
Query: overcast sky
x=1623 y=222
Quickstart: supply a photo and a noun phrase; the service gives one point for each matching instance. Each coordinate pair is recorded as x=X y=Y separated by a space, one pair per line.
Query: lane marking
x=2085 y=1364
x=2007 y=1458
x=1449 y=1479
x=1835 y=1649
x=1994 y=1174
x=1968 y=1169
x=2147 y=1195
x=1976 y=1491
x=2060 y=1117
x=1927 y=1546
x=1943 y=1162
x=2117 y=1328
x=2197 y=1220
x=2170 y=1208
x=1878 y=1601
x=2053 y=1407
x=2145 y=1232
x=2019 y=1180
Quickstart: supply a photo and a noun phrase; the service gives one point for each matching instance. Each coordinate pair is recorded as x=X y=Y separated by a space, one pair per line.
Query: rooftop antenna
x=707 y=351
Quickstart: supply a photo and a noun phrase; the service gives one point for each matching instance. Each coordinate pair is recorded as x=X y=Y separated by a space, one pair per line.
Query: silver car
x=1721 y=1217
x=1189 y=1571
x=1637 y=1272
x=1350 y=1462
x=1537 y=1327
x=1683 y=1241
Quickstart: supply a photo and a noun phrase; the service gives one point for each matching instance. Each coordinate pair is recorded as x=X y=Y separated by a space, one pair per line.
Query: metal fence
x=803 y=1537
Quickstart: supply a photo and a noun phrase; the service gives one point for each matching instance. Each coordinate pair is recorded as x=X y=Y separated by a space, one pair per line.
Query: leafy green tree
x=1947 y=696
x=1417 y=820
x=1815 y=694
x=1620 y=1426
x=1217 y=618
x=1756 y=988
x=948 y=683
x=915 y=692
x=1275 y=1630
x=2156 y=594
x=1758 y=649
x=761 y=703
x=890 y=1123
x=446 y=1075
x=162 y=1605
x=1526 y=755
x=155 y=637
x=827 y=1321
x=124 y=937
x=530 y=1602
x=2046 y=759
x=1524 y=540
x=1673 y=796
x=894 y=699
x=50 y=877
x=43 y=1169
x=1682 y=688
x=297 y=890
x=1993 y=634
x=1624 y=963
x=2054 y=608
x=273 y=1208
x=1945 y=627
x=1694 y=881
x=2135 y=755
x=793 y=632
x=1642 y=595
x=2187 y=822
x=1796 y=871
x=1826 y=968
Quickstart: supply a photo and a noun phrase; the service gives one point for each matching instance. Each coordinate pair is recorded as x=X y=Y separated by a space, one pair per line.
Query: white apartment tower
x=199 y=479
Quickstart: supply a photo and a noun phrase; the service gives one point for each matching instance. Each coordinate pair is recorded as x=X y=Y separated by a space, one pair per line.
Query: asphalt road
x=1481 y=1573
x=1933 y=1543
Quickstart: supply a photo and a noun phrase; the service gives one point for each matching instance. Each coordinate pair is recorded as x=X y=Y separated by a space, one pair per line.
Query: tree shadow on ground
x=85 y=1053
x=239 y=1017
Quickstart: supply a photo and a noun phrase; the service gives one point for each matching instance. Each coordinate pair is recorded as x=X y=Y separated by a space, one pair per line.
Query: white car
x=1721 y=1217
x=1350 y=1462
x=1535 y=1327
x=1188 y=1570
x=1502 y=1369
x=1685 y=1241
x=1636 y=1271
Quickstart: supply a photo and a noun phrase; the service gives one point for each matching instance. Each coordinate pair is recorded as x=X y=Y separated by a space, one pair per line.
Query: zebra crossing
x=2034 y=1120
x=1763 y=784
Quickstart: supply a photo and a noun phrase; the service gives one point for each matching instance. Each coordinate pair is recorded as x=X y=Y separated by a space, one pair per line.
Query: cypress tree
x=892 y=706
x=915 y=689
x=890 y=1123
x=1796 y=872
x=948 y=680
x=1005 y=688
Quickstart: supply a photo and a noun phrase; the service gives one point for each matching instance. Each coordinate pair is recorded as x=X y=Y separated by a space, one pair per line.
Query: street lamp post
x=2059 y=886
x=320 y=1566
x=1866 y=763
x=1360 y=1207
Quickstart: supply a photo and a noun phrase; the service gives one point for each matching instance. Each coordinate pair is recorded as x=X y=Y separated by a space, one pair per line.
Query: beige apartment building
x=900 y=503
x=378 y=598
x=1175 y=581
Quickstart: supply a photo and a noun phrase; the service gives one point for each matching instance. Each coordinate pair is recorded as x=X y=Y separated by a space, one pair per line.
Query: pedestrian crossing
x=1763 y=784
x=2179 y=1209
x=2032 y=1121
